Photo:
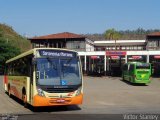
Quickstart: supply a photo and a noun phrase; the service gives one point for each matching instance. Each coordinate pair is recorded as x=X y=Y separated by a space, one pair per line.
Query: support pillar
x=89 y=64
x=57 y=45
x=148 y=58
x=105 y=65
x=126 y=59
x=85 y=66
x=108 y=64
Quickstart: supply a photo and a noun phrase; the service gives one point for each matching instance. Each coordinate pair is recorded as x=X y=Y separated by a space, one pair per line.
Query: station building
x=63 y=40
x=105 y=57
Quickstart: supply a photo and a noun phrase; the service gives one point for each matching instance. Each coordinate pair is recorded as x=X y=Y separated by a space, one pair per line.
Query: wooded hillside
x=11 y=44
x=139 y=33
x=13 y=38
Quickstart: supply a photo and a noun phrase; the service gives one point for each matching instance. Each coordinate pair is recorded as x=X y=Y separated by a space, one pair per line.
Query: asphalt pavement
x=104 y=97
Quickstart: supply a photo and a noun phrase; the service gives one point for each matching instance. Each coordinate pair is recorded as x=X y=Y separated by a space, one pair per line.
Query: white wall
x=89 y=47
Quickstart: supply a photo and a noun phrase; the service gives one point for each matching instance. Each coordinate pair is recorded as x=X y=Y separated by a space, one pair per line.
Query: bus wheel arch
x=24 y=96
x=9 y=90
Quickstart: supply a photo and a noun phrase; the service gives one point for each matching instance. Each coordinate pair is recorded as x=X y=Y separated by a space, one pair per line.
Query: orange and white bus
x=45 y=77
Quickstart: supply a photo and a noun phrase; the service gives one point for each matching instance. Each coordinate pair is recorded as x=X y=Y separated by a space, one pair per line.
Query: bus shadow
x=133 y=84
x=46 y=109
x=155 y=76
x=19 y=101
x=55 y=108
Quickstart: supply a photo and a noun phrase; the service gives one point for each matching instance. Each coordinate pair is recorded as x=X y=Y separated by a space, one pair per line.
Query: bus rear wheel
x=24 y=98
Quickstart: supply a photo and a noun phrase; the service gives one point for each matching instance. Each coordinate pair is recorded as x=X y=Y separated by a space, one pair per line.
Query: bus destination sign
x=55 y=53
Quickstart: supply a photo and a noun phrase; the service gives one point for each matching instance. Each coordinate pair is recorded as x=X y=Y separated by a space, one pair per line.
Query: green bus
x=137 y=72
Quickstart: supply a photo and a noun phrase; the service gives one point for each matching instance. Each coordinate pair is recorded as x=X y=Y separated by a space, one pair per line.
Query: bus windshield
x=58 y=71
x=143 y=66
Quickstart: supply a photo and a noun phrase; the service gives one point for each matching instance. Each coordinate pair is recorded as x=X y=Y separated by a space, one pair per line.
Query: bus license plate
x=60 y=101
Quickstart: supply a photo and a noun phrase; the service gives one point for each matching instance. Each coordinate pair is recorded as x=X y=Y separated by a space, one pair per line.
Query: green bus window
x=131 y=68
x=143 y=66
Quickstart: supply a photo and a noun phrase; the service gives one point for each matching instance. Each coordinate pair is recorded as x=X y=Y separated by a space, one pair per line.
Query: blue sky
x=41 y=17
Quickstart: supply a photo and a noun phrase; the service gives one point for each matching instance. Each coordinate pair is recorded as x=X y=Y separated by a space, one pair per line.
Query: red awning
x=115 y=57
x=157 y=57
x=94 y=57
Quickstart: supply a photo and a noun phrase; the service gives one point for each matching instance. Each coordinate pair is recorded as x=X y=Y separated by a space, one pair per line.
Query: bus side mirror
x=37 y=74
x=34 y=61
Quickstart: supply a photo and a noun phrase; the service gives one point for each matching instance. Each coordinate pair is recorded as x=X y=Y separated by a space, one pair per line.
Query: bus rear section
x=137 y=72
x=142 y=73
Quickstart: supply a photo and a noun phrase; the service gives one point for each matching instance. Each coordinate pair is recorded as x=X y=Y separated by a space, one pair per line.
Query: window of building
x=75 y=45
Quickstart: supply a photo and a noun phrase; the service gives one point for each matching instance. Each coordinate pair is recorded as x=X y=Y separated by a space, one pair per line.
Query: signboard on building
x=137 y=57
x=157 y=56
x=95 y=57
x=115 y=57
x=115 y=53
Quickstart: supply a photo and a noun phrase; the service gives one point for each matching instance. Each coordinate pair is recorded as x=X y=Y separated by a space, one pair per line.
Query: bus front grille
x=59 y=90
x=142 y=72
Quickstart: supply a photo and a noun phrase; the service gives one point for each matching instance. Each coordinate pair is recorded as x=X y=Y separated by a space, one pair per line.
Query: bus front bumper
x=39 y=101
x=142 y=81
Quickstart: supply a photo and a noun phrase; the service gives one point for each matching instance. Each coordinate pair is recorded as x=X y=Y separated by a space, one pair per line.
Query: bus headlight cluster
x=79 y=91
x=40 y=92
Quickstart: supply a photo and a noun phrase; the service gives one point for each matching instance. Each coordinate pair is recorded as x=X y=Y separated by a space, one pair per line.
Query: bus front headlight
x=78 y=92
x=40 y=92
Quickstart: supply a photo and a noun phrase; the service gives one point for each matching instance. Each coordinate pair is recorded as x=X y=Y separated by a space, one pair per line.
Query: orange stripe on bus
x=5 y=79
x=43 y=101
x=15 y=91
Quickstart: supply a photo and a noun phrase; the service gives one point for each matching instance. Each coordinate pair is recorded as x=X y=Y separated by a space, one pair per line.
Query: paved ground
x=8 y=105
x=102 y=95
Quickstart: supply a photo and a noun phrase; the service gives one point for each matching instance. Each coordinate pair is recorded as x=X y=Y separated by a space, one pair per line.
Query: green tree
x=7 y=51
x=112 y=34
x=9 y=34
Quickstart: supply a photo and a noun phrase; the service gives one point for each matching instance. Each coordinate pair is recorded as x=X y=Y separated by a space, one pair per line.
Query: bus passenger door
x=125 y=72
x=31 y=83
x=31 y=70
x=131 y=72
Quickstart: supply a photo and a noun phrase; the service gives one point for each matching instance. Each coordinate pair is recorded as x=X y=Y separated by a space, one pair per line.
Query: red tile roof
x=63 y=35
x=154 y=34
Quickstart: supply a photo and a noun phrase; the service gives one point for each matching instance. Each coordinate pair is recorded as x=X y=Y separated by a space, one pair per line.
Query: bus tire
x=24 y=97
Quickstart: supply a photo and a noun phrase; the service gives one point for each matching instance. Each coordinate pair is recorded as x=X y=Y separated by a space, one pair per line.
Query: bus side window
x=10 y=69
x=131 y=68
